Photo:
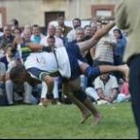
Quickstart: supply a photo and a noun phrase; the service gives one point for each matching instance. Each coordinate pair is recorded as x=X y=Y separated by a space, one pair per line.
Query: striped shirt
x=105 y=52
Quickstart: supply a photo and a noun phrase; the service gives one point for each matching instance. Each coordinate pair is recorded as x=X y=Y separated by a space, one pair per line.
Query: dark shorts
x=37 y=73
x=74 y=55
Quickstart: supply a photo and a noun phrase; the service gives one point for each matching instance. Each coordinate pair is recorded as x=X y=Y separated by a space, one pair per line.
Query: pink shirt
x=125 y=89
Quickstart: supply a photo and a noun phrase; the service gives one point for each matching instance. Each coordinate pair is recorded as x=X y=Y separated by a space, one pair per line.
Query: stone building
x=43 y=11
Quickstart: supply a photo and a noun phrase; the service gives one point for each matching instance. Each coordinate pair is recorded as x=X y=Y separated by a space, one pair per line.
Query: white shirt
x=71 y=35
x=107 y=88
x=1 y=34
x=58 y=42
x=48 y=62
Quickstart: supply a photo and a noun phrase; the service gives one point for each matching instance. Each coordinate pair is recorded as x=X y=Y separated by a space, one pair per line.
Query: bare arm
x=86 y=45
x=100 y=93
x=114 y=94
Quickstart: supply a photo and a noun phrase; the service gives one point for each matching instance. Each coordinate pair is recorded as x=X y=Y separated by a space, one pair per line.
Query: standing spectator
x=71 y=35
x=120 y=46
x=7 y=37
x=36 y=36
x=104 y=51
x=51 y=32
x=94 y=27
x=127 y=18
x=61 y=23
x=59 y=34
x=88 y=35
x=119 y=50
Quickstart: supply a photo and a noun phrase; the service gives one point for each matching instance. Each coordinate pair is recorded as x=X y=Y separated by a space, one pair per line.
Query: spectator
x=104 y=51
x=17 y=32
x=71 y=35
x=36 y=36
x=65 y=29
x=10 y=62
x=52 y=32
x=125 y=93
x=59 y=34
x=107 y=88
x=119 y=50
x=23 y=51
x=94 y=27
x=120 y=46
x=88 y=35
x=8 y=59
x=7 y=37
x=14 y=24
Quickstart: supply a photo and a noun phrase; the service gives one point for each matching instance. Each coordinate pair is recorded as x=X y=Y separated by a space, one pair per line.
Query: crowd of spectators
x=106 y=89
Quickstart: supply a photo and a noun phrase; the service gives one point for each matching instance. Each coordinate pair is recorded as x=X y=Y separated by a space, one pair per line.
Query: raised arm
x=86 y=45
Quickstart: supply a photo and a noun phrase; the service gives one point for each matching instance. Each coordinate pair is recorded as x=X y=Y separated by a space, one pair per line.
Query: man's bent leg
x=93 y=72
x=67 y=90
x=81 y=95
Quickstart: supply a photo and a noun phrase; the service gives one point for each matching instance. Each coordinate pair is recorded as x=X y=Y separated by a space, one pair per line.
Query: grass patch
x=61 y=122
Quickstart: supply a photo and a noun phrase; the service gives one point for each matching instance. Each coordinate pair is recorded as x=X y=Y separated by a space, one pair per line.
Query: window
x=103 y=10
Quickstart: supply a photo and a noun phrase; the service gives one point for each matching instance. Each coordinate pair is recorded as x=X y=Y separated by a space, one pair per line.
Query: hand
x=124 y=69
x=106 y=43
x=109 y=99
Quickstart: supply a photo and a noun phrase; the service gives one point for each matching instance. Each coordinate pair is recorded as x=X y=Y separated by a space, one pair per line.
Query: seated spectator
x=125 y=93
x=13 y=91
x=8 y=58
x=106 y=87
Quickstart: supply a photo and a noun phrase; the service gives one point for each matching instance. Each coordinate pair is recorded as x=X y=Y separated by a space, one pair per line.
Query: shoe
x=102 y=102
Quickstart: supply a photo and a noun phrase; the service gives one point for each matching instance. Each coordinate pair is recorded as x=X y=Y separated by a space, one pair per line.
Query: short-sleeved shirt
x=107 y=88
x=105 y=52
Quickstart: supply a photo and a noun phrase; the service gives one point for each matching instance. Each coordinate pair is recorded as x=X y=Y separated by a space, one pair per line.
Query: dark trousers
x=134 y=64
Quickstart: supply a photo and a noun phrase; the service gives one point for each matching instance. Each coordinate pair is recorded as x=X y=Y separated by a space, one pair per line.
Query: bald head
x=51 y=30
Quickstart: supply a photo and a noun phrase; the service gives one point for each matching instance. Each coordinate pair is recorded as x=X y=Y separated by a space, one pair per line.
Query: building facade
x=42 y=11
